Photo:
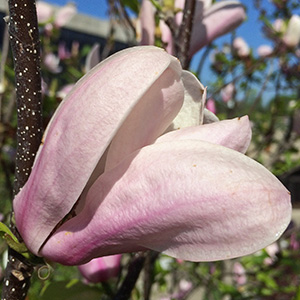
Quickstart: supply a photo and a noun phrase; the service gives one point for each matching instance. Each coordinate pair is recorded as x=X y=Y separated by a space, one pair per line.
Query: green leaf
x=132 y=4
x=21 y=248
x=6 y=230
x=17 y=246
x=268 y=280
x=65 y=290
x=12 y=241
x=156 y=5
x=297 y=296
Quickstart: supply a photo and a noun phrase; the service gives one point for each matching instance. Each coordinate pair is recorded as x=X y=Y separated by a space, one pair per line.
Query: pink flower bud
x=64 y=91
x=52 y=61
x=210 y=105
x=64 y=15
x=264 y=50
x=63 y=52
x=227 y=92
x=93 y=58
x=239 y=273
x=292 y=35
x=44 y=11
x=241 y=47
x=279 y=26
x=101 y=269
x=272 y=250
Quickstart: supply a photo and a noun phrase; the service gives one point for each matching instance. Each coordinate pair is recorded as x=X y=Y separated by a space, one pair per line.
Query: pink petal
x=211 y=105
x=44 y=11
x=279 y=25
x=65 y=14
x=93 y=58
x=80 y=132
x=189 y=199
x=292 y=35
x=272 y=250
x=166 y=37
x=241 y=47
x=221 y=18
x=63 y=52
x=227 y=92
x=191 y=113
x=239 y=274
x=264 y=50
x=65 y=90
x=149 y=118
x=209 y=117
x=147 y=23
x=101 y=268
x=52 y=61
x=234 y=134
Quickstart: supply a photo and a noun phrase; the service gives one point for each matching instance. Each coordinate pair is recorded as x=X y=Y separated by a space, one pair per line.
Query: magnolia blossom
x=63 y=52
x=241 y=47
x=93 y=57
x=44 y=11
x=289 y=32
x=227 y=92
x=63 y=92
x=239 y=273
x=61 y=17
x=264 y=50
x=210 y=22
x=294 y=242
x=52 y=61
x=146 y=24
x=211 y=105
x=109 y=179
x=272 y=250
x=291 y=36
x=279 y=26
x=64 y=14
x=101 y=269
x=183 y=289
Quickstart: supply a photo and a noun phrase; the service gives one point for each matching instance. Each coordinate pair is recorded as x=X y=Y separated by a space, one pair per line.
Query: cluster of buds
x=285 y=33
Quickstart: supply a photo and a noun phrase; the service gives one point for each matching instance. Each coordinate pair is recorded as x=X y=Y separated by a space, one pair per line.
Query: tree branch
x=149 y=273
x=24 y=39
x=182 y=41
x=134 y=269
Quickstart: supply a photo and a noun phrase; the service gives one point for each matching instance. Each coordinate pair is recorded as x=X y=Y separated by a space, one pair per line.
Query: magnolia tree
x=133 y=171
